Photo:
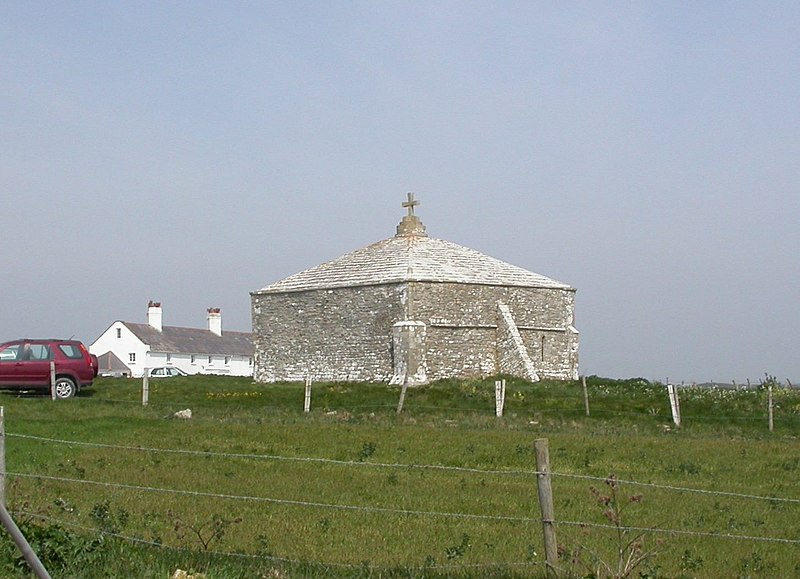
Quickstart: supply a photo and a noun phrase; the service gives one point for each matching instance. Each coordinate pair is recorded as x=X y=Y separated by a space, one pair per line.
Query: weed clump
x=630 y=550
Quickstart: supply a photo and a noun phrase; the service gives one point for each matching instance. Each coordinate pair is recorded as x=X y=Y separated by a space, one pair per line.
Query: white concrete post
x=53 y=380
x=674 y=403
x=585 y=395
x=146 y=387
x=2 y=456
x=770 y=405
x=499 y=397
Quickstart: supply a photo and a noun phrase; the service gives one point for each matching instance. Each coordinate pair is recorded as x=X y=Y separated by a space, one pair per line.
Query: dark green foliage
x=458 y=551
x=691 y=562
x=367 y=450
x=62 y=552
x=107 y=519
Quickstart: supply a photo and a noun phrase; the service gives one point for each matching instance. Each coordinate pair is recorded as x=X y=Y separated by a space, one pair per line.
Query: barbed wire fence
x=541 y=473
x=763 y=390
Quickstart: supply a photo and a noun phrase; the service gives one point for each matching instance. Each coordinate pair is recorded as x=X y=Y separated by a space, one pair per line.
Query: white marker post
x=307 y=402
x=770 y=407
x=499 y=397
x=53 y=380
x=674 y=403
x=585 y=395
x=2 y=456
x=146 y=387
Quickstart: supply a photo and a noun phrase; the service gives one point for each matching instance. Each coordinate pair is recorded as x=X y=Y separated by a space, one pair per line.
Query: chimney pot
x=154 y=315
x=214 y=321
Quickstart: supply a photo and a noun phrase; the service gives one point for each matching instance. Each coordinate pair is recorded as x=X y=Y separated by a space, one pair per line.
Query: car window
x=39 y=352
x=10 y=353
x=157 y=371
x=70 y=351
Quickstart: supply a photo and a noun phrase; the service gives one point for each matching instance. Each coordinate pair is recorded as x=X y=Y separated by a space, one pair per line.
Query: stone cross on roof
x=411 y=203
x=411 y=225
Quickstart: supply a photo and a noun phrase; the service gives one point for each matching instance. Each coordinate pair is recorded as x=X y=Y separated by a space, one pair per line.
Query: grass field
x=251 y=486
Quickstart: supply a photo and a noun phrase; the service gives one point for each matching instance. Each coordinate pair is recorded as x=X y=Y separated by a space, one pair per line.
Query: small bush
x=60 y=550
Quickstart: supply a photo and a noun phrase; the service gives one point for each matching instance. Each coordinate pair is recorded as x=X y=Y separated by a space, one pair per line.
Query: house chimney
x=154 y=315
x=214 y=321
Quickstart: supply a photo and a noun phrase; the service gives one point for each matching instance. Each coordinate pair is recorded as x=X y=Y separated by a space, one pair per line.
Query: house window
x=132 y=357
x=119 y=332
x=210 y=360
x=227 y=360
x=251 y=361
x=169 y=357
x=191 y=358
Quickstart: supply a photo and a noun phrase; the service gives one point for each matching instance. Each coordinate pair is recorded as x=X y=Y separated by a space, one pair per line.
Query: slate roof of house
x=411 y=256
x=193 y=341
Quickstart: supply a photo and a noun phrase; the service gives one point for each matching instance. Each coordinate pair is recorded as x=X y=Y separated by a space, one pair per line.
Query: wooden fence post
x=53 y=380
x=402 y=395
x=307 y=399
x=770 y=406
x=585 y=395
x=146 y=387
x=545 y=487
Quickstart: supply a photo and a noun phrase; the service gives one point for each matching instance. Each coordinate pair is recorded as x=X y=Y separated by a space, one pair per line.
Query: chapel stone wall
x=347 y=333
x=335 y=334
x=462 y=327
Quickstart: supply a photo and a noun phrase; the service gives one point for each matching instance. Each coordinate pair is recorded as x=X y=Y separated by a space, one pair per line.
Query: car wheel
x=65 y=387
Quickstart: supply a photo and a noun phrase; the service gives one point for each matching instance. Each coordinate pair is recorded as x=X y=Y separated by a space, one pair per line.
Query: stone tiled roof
x=411 y=257
x=177 y=340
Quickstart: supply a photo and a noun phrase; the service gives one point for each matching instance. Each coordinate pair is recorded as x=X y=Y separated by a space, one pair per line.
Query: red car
x=25 y=365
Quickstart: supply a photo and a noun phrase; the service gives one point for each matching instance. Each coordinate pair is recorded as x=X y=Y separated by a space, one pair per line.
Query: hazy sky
x=646 y=153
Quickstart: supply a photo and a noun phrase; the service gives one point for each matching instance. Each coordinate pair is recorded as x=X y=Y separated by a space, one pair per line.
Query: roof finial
x=411 y=225
x=411 y=203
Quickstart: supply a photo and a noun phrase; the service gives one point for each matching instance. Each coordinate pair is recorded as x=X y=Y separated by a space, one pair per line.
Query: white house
x=193 y=350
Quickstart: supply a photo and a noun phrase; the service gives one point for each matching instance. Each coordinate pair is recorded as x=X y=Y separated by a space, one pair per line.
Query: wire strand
x=160 y=545
x=272 y=500
x=400 y=465
x=677 y=488
x=272 y=456
x=681 y=532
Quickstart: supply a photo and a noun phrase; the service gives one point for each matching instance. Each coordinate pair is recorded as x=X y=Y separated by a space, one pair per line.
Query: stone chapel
x=414 y=309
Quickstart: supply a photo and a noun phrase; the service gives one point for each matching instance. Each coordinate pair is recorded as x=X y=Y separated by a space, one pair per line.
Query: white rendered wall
x=122 y=347
x=199 y=363
x=128 y=343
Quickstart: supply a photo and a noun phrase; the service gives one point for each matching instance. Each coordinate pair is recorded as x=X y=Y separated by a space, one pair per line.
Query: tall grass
x=353 y=489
